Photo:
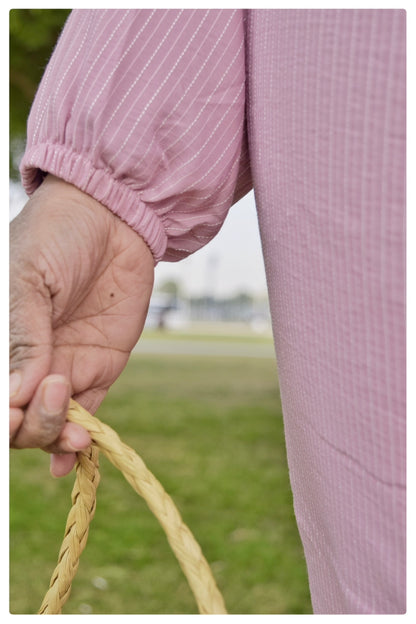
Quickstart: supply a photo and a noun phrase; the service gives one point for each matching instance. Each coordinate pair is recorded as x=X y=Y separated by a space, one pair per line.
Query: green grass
x=211 y=331
x=211 y=431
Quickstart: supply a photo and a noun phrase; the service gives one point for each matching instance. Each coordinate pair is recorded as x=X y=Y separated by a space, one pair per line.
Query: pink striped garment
x=144 y=110
x=168 y=117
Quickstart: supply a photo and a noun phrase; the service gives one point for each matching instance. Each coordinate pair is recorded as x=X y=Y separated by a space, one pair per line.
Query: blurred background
x=199 y=400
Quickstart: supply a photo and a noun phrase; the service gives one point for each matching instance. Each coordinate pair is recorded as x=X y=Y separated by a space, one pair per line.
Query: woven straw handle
x=181 y=540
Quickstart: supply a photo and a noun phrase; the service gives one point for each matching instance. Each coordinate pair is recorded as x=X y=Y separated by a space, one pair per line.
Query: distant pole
x=210 y=288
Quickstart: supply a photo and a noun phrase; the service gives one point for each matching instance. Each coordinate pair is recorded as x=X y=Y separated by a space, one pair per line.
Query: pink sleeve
x=144 y=110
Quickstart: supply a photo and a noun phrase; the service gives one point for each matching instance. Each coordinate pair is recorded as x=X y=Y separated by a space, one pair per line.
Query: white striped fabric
x=144 y=110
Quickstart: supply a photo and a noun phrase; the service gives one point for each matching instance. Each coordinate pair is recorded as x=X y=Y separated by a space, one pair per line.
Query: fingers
x=29 y=362
x=72 y=438
x=30 y=310
x=44 y=425
x=61 y=465
x=45 y=416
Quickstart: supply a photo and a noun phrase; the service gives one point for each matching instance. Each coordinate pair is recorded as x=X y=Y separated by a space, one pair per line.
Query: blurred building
x=175 y=312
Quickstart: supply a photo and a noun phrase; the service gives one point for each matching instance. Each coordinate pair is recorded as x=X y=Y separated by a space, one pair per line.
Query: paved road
x=204 y=347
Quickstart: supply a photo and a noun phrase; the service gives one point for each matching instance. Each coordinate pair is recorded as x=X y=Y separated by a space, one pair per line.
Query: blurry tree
x=170 y=287
x=33 y=35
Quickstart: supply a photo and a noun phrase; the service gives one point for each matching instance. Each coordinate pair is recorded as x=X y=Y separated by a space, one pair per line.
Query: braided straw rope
x=181 y=540
x=76 y=531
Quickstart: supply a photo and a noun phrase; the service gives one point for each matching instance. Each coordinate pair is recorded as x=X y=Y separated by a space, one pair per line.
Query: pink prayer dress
x=167 y=117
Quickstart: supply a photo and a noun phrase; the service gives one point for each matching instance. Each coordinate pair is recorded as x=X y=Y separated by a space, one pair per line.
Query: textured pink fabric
x=149 y=112
x=327 y=140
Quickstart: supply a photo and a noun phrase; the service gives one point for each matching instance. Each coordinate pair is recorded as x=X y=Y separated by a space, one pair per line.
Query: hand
x=80 y=285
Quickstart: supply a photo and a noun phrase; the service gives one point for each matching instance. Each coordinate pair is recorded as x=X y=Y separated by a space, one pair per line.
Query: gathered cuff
x=76 y=169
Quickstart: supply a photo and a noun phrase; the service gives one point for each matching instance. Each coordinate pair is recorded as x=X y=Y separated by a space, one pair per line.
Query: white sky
x=231 y=263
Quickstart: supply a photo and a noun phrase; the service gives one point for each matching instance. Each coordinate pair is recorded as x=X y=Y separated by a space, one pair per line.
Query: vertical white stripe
x=90 y=78
x=73 y=51
x=115 y=67
x=125 y=97
x=165 y=184
x=185 y=98
x=167 y=75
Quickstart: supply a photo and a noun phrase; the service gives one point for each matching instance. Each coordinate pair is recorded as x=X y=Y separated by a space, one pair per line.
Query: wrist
x=66 y=196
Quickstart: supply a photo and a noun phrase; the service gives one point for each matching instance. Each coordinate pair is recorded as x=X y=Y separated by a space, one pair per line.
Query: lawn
x=211 y=430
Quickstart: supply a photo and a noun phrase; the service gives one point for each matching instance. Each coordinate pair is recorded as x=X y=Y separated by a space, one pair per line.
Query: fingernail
x=55 y=395
x=15 y=381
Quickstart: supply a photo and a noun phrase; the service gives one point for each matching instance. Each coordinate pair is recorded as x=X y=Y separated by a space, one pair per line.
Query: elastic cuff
x=116 y=196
